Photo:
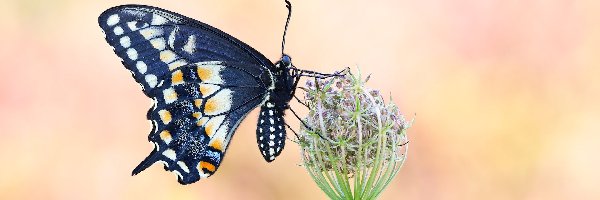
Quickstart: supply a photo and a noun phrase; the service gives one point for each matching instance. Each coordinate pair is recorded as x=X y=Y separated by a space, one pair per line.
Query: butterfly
x=203 y=82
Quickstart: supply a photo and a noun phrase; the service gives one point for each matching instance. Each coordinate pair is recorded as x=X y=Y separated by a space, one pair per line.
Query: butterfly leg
x=308 y=73
x=300 y=101
x=404 y=143
x=291 y=129
x=304 y=124
x=298 y=117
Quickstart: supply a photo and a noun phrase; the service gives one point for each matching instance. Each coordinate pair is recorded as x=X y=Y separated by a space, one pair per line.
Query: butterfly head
x=285 y=80
x=286 y=61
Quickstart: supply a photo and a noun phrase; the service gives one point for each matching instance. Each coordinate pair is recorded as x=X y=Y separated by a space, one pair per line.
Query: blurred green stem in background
x=356 y=144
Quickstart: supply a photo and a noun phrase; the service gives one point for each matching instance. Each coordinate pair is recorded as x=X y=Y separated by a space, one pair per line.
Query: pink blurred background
x=506 y=95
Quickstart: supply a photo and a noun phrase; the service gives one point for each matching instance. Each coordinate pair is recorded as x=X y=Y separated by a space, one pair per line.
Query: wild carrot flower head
x=356 y=143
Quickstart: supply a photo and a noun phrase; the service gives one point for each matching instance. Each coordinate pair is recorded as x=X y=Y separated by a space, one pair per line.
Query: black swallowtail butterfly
x=203 y=83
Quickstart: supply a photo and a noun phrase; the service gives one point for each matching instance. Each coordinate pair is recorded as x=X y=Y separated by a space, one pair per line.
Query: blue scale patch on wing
x=152 y=42
x=196 y=112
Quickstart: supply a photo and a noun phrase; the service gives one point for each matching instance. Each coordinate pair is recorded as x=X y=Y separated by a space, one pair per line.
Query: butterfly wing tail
x=151 y=159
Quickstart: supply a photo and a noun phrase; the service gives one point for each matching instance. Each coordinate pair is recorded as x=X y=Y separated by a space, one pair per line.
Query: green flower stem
x=322 y=182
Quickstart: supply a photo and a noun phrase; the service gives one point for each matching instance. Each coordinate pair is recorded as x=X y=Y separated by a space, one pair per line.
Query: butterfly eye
x=286 y=60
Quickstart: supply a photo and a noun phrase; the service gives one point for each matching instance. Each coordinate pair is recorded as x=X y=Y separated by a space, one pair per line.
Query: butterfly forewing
x=152 y=41
x=203 y=83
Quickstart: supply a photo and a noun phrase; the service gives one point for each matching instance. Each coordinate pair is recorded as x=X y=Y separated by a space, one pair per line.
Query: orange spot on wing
x=177 y=77
x=217 y=144
x=210 y=106
x=204 y=73
x=196 y=115
x=170 y=95
x=198 y=102
x=165 y=136
x=167 y=56
x=207 y=166
x=210 y=129
x=204 y=89
x=165 y=116
x=202 y=121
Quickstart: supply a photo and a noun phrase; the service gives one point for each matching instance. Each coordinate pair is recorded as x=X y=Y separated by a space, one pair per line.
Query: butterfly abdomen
x=270 y=132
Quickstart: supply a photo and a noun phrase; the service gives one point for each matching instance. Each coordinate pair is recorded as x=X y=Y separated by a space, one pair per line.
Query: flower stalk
x=357 y=143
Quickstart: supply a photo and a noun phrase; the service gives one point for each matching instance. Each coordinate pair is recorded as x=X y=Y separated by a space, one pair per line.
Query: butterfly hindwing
x=196 y=114
x=152 y=41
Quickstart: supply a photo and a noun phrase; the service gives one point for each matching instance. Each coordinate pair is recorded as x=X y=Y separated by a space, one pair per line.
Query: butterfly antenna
x=287 y=22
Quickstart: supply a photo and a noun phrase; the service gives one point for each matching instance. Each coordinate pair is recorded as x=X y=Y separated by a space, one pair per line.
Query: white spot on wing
x=221 y=135
x=163 y=162
x=156 y=146
x=214 y=123
x=169 y=153
x=213 y=72
x=183 y=166
x=158 y=43
x=151 y=32
x=167 y=56
x=203 y=175
x=177 y=64
x=151 y=80
x=133 y=27
x=219 y=103
x=125 y=42
x=141 y=67
x=208 y=89
x=178 y=174
x=158 y=20
x=132 y=54
x=118 y=30
x=112 y=20
x=172 y=38
x=136 y=13
x=190 y=45
x=170 y=95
